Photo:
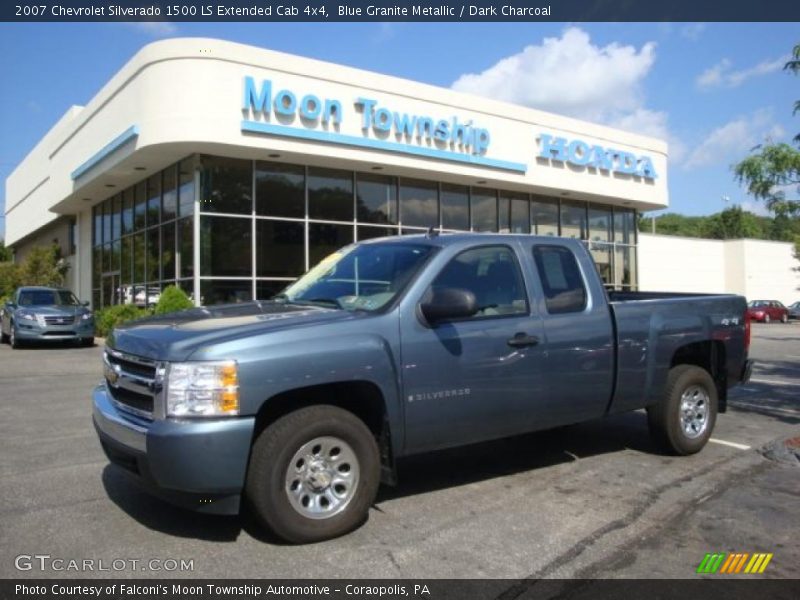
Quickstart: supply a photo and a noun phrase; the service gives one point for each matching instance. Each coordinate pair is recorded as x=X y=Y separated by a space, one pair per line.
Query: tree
x=5 y=252
x=731 y=224
x=774 y=168
x=42 y=266
x=794 y=66
x=768 y=173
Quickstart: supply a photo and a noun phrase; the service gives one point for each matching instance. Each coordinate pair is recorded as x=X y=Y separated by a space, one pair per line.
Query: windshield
x=47 y=298
x=365 y=277
x=757 y=303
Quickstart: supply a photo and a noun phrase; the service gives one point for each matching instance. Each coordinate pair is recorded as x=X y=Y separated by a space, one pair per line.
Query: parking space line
x=776 y=382
x=731 y=444
x=764 y=407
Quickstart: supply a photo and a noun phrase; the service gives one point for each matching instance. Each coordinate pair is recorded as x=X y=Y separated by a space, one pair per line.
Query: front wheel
x=313 y=474
x=12 y=338
x=682 y=421
x=766 y=319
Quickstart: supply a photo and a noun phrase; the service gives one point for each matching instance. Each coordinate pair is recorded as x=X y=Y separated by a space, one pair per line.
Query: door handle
x=521 y=340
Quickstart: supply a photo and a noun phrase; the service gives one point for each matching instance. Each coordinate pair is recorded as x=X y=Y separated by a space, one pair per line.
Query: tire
x=3 y=338
x=766 y=319
x=675 y=421
x=12 y=338
x=784 y=318
x=296 y=489
x=87 y=342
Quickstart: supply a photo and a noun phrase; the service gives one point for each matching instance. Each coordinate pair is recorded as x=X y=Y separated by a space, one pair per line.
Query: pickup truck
x=302 y=404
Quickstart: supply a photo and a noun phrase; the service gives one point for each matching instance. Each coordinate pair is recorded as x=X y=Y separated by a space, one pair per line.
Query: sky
x=713 y=91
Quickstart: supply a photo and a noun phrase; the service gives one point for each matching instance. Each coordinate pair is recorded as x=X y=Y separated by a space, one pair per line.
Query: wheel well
x=362 y=398
x=708 y=355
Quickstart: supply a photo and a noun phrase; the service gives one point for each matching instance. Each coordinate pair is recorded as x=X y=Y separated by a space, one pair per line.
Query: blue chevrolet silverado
x=301 y=405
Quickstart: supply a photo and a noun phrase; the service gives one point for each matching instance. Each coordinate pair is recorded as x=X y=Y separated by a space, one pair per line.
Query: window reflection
x=419 y=203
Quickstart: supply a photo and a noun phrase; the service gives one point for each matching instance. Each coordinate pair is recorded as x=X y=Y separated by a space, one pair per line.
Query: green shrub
x=10 y=278
x=107 y=318
x=172 y=299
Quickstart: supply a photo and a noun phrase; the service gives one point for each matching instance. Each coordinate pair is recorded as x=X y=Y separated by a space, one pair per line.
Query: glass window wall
x=262 y=224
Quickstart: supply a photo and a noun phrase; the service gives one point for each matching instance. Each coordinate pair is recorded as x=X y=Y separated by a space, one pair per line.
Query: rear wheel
x=3 y=337
x=682 y=421
x=313 y=474
x=88 y=342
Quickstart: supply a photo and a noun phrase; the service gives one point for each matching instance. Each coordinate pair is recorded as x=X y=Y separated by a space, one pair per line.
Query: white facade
x=756 y=269
x=184 y=97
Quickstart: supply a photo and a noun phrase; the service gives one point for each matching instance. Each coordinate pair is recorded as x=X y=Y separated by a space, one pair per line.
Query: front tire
x=766 y=319
x=682 y=421
x=12 y=338
x=313 y=474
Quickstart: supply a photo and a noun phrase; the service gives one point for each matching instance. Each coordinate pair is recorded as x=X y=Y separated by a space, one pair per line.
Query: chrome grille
x=131 y=381
x=65 y=320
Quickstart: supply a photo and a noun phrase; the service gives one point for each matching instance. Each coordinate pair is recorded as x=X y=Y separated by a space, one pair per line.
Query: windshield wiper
x=284 y=299
x=324 y=301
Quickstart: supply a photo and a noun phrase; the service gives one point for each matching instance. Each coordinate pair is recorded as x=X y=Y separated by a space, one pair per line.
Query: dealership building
x=229 y=170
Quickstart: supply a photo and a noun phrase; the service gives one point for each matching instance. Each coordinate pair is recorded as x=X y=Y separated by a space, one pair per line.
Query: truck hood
x=175 y=336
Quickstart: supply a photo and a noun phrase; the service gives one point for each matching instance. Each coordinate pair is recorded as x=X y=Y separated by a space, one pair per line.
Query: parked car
x=794 y=310
x=44 y=314
x=146 y=296
x=767 y=311
x=398 y=346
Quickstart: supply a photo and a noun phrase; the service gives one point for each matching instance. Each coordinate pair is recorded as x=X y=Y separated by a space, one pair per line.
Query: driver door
x=470 y=379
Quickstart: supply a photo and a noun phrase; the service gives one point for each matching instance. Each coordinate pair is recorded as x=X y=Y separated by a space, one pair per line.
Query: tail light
x=746 y=332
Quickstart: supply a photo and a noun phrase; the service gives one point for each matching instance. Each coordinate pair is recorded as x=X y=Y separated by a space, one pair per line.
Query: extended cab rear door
x=578 y=332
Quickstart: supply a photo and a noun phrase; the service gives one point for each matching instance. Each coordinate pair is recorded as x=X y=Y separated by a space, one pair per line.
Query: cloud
x=567 y=75
x=693 y=31
x=734 y=139
x=755 y=207
x=722 y=75
x=653 y=123
x=383 y=33
x=154 y=28
x=570 y=75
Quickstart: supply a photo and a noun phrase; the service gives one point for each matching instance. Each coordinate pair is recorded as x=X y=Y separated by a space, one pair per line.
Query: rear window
x=561 y=279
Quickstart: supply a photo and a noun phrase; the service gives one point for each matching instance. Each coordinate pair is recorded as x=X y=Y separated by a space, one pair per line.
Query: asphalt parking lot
x=593 y=500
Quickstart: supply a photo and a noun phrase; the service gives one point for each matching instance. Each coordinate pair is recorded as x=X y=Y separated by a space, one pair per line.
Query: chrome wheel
x=12 y=337
x=694 y=411
x=322 y=477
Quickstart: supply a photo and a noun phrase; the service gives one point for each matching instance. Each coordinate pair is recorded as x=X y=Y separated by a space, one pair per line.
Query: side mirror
x=11 y=305
x=448 y=303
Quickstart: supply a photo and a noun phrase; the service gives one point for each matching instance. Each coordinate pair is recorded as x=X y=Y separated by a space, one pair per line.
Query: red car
x=767 y=310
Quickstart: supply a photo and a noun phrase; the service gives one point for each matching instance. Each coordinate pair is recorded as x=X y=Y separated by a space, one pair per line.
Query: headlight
x=86 y=316
x=27 y=315
x=202 y=389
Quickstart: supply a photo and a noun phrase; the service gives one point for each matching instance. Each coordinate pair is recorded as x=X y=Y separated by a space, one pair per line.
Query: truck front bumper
x=197 y=464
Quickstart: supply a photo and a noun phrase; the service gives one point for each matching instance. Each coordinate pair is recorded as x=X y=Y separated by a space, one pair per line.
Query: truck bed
x=652 y=328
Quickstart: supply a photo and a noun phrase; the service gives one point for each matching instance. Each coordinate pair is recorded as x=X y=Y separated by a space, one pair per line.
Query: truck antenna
x=432 y=232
